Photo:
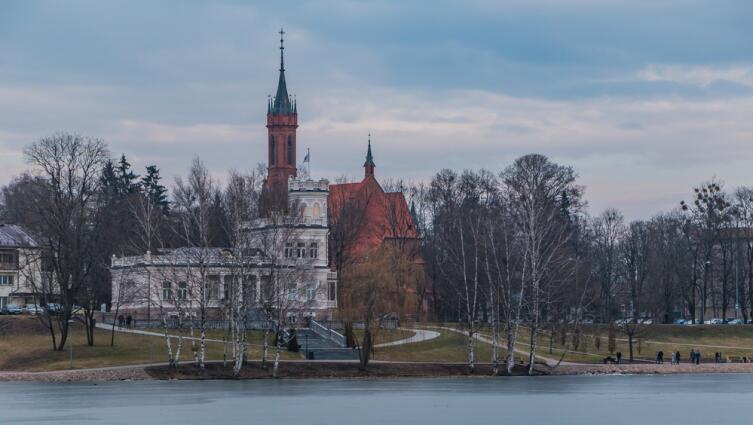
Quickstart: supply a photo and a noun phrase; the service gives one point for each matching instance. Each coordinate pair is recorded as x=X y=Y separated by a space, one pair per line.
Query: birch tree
x=534 y=189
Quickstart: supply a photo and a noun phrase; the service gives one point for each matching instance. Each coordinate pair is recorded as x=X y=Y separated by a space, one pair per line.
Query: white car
x=735 y=322
x=33 y=309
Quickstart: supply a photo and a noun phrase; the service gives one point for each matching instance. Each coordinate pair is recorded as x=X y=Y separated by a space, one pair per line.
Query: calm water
x=582 y=400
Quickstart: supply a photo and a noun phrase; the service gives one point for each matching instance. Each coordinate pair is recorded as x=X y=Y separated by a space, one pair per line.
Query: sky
x=645 y=99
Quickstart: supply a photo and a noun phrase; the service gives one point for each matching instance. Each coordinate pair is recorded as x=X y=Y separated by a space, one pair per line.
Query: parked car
x=12 y=309
x=679 y=321
x=54 y=308
x=735 y=322
x=33 y=309
x=714 y=322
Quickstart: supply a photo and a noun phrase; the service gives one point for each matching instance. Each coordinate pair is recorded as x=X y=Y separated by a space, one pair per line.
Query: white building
x=283 y=258
x=20 y=267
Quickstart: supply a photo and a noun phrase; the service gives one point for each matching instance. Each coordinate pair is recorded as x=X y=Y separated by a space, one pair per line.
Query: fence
x=327 y=333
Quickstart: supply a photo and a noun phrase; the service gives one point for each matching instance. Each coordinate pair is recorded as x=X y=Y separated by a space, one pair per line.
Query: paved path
x=419 y=335
x=548 y=360
x=150 y=333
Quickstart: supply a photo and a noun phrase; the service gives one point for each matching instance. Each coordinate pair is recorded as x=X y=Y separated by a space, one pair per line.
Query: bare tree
x=535 y=187
x=64 y=214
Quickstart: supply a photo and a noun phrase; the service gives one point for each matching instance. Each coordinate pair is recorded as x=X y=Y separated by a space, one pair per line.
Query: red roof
x=382 y=215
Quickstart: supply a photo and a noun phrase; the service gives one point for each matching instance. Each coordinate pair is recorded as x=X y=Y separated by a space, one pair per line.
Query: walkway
x=419 y=335
x=548 y=360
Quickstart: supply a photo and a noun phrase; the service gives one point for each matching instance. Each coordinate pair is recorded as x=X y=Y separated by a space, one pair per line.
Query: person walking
x=619 y=357
x=674 y=358
x=697 y=356
x=677 y=355
x=120 y=321
x=129 y=319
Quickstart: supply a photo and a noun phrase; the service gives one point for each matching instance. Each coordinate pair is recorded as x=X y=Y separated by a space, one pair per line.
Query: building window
x=331 y=292
x=311 y=292
x=6 y=279
x=314 y=250
x=290 y=150
x=300 y=251
x=182 y=291
x=272 y=150
x=213 y=287
x=289 y=250
x=167 y=290
x=315 y=211
x=7 y=259
x=3 y=301
x=292 y=291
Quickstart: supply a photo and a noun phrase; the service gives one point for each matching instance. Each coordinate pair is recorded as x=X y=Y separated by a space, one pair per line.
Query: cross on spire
x=282 y=48
x=282 y=103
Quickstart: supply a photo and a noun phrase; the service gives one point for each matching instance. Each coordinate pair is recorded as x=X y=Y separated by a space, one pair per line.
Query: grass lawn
x=448 y=347
x=25 y=346
x=668 y=338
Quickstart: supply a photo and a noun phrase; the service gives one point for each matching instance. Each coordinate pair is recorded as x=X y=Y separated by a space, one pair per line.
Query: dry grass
x=24 y=345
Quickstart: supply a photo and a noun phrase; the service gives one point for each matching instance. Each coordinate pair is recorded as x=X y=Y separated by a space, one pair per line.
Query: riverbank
x=651 y=369
x=349 y=370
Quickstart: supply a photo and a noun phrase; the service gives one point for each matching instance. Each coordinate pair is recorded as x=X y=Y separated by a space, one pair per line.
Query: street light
x=70 y=343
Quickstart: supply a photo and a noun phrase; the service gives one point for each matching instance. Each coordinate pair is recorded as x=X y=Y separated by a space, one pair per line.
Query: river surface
x=583 y=400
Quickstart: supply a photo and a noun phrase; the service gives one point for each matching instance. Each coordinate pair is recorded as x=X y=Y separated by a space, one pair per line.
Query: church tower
x=282 y=121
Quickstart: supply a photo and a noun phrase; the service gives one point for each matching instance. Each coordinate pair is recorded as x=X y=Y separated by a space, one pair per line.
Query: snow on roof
x=12 y=235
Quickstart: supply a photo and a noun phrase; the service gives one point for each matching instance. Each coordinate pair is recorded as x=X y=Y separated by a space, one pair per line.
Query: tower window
x=272 y=150
x=290 y=150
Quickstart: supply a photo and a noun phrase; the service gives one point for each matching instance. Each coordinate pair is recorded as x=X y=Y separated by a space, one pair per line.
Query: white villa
x=282 y=260
x=20 y=267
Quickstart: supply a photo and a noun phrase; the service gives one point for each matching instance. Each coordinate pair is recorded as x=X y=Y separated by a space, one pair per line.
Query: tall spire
x=282 y=104
x=369 y=164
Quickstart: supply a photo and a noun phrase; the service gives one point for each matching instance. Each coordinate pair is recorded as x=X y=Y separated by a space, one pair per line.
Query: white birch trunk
x=277 y=360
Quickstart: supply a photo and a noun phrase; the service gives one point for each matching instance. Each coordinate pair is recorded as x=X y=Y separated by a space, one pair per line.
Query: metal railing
x=327 y=333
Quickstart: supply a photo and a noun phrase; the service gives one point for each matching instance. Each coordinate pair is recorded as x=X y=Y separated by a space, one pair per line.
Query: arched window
x=272 y=150
x=290 y=150
x=315 y=210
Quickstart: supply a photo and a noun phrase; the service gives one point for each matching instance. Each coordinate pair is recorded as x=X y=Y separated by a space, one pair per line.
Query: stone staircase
x=316 y=346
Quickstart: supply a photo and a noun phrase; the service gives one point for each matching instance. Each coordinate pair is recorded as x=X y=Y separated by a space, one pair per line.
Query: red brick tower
x=282 y=121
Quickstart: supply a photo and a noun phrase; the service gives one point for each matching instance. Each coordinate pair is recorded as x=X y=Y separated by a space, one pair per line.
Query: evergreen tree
x=126 y=177
x=109 y=181
x=153 y=189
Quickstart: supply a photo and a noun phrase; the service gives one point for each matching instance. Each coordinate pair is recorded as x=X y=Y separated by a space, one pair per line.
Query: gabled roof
x=15 y=236
x=385 y=214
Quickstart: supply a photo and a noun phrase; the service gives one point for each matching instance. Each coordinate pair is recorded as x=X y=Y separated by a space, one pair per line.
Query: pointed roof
x=369 y=156
x=282 y=104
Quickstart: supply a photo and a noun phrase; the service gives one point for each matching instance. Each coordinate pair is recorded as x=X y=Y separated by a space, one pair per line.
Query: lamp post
x=70 y=343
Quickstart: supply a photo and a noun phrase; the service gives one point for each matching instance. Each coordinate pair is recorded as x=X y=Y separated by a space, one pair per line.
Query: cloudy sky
x=644 y=98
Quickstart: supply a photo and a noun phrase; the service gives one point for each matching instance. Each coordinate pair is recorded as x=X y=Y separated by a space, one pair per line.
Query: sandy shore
x=349 y=370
